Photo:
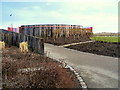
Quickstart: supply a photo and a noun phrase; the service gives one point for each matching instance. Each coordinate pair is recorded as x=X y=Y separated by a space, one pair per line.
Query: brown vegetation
x=19 y=71
x=67 y=40
x=100 y=48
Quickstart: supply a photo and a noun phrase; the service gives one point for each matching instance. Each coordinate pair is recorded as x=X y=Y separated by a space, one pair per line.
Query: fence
x=36 y=44
x=32 y=30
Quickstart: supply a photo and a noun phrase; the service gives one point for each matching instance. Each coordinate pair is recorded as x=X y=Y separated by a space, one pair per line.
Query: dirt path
x=97 y=71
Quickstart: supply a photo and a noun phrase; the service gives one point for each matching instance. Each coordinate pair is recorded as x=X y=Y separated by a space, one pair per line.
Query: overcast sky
x=102 y=15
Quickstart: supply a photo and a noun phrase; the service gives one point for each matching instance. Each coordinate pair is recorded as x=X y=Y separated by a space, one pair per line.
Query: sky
x=102 y=15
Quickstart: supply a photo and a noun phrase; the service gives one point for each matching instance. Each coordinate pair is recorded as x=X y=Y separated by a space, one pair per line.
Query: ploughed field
x=31 y=70
x=99 y=47
x=67 y=40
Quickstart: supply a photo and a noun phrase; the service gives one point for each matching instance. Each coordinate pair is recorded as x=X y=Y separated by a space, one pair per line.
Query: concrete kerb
x=65 y=65
x=66 y=45
x=80 y=79
x=90 y=53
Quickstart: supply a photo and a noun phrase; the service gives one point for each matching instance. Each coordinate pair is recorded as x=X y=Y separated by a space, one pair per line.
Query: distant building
x=55 y=30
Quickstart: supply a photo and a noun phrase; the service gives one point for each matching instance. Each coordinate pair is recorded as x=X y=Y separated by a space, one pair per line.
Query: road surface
x=97 y=71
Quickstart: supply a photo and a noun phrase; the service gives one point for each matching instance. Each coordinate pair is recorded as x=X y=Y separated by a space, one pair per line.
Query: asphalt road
x=97 y=71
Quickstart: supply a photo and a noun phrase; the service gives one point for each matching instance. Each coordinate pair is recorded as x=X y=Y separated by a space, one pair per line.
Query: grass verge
x=106 y=39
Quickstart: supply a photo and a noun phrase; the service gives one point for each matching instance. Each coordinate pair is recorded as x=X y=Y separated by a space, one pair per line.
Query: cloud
x=87 y=1
x=36 y=7
x=48 y=3
x=102 y=15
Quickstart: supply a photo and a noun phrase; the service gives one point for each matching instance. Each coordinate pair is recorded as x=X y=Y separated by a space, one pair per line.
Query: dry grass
x=67 y=40
x=51 y=74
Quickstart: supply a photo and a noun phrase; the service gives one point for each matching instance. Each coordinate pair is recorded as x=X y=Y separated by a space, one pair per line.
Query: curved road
x=97 y=71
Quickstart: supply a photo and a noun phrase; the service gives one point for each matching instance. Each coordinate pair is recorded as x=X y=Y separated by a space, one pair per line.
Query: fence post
x=36 y=44
x=41 y=42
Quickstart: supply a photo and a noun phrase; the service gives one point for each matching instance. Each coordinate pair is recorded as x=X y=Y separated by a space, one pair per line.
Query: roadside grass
x=106 y=39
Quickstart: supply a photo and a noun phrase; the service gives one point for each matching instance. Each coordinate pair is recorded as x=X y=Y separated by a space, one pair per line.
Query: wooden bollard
x=2 y=45
x=23 y=47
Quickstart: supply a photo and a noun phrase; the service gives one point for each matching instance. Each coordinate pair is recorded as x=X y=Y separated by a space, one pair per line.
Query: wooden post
x=41 y=42
x=36 y=44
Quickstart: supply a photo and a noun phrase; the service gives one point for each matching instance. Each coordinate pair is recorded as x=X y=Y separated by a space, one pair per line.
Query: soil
x=100 y=48
x=66 y=40
x=51 y=74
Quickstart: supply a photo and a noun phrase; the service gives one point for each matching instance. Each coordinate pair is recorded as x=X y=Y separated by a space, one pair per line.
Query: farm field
x=31 y=70
x=106 y=39
x=100 y=48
